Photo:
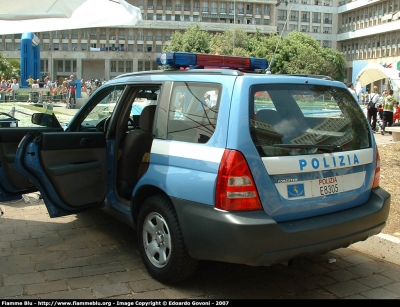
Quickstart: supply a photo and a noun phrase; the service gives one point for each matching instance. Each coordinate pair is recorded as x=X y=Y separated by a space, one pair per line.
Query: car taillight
x=377 y=175
x=236 y=190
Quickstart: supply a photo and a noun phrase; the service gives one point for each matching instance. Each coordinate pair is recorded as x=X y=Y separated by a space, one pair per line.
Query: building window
x=60 y=65
x=130 y=47
x=65 y=46
x=74 y=34
x=65 y=34
x=113 y=66
x=140 y=47
x=128 y=65
x=84 y=46
x=120 y=66
x=67 y=65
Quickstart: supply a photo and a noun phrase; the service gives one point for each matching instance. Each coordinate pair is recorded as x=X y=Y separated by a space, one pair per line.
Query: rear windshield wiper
x=327 y=148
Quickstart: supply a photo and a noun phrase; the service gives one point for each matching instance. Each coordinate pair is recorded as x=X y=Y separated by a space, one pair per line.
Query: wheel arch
x=138 y=199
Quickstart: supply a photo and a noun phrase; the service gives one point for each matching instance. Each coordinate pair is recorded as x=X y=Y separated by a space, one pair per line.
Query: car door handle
x=86 y=142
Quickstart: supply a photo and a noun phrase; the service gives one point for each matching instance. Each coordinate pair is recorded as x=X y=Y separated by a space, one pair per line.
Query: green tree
x=192 y=40
x=9 y=68
x=299 y=53
x=231 y=42
x=296 y=53
x=335 y=63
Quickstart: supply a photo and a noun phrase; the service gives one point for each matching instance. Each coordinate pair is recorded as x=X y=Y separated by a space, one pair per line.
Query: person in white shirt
x=372 y=107
x=352 y=91
x=15 y=88
x=35 y=86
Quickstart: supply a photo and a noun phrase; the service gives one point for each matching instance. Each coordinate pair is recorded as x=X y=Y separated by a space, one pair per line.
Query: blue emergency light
x=182 y=60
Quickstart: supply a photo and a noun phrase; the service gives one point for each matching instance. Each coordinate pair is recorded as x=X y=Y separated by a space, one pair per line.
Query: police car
x=224 y=163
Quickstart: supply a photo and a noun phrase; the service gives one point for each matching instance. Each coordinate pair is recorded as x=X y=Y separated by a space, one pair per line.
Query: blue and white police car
x=223 y=163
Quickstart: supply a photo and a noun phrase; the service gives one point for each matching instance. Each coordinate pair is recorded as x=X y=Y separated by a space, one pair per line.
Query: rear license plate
x=327 y=186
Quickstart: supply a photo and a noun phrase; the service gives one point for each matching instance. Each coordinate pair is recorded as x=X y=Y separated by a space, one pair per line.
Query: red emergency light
x=179 y=60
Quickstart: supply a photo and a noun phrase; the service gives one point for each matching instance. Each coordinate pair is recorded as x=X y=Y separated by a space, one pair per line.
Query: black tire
x=160 y=241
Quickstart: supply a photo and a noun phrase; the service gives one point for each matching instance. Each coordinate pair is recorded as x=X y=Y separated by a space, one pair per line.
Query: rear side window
x=293 y=119
x=193 y=111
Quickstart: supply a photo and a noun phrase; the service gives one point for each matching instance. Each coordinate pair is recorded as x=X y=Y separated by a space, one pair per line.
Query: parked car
x=224 y=164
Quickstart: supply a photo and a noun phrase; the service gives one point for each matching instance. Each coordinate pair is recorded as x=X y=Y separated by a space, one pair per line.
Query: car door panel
x=13 y=183
x=69 y=168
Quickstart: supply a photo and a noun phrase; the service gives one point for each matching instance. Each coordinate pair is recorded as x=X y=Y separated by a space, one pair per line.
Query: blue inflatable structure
x=30 y=58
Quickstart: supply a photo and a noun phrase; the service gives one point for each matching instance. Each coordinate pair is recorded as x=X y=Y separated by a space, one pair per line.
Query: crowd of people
x=9 y=84
x=64 y=90
x=382 y=109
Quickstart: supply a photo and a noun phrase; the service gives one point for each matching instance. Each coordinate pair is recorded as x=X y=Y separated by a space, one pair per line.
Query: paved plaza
x=91 y=255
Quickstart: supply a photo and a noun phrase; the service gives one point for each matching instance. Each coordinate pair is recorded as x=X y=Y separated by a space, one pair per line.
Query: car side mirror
x=46 y=120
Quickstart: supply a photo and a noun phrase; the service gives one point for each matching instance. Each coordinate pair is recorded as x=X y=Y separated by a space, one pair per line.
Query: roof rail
x=312 y=76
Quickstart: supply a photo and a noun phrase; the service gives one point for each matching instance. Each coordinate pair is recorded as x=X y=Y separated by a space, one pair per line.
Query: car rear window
x=298 y=119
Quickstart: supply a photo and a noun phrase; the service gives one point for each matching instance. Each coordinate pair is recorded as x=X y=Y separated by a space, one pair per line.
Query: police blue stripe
x=174 y=170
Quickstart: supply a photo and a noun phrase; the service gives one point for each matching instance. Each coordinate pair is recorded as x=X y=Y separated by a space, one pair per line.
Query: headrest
x=147 y=118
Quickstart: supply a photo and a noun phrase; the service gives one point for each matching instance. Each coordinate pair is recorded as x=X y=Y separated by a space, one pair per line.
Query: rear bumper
x=253 y=238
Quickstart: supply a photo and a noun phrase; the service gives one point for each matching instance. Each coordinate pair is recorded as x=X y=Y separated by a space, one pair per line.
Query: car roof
x=198 y=75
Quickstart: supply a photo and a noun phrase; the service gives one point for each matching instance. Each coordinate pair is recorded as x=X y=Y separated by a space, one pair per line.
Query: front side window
x=100 y=107
x=193 y=111
x=294 y=119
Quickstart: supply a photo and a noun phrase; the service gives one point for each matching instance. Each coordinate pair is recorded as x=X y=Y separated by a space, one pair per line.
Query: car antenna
x=268 y=71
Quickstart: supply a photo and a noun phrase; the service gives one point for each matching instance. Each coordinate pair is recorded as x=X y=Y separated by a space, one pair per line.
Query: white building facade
x=369 y=33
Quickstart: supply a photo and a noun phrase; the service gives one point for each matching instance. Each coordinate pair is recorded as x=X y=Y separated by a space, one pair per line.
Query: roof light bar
x=197 y=60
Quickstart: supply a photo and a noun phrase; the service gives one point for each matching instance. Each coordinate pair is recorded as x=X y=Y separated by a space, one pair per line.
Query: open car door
x=68 y=168
x=12 y=183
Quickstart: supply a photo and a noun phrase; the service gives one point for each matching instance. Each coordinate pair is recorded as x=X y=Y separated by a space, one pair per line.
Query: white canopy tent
x=51 y=15
x=375 y=72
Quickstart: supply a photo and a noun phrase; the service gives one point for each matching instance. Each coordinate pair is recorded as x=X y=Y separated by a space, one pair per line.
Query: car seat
x=133 y=162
